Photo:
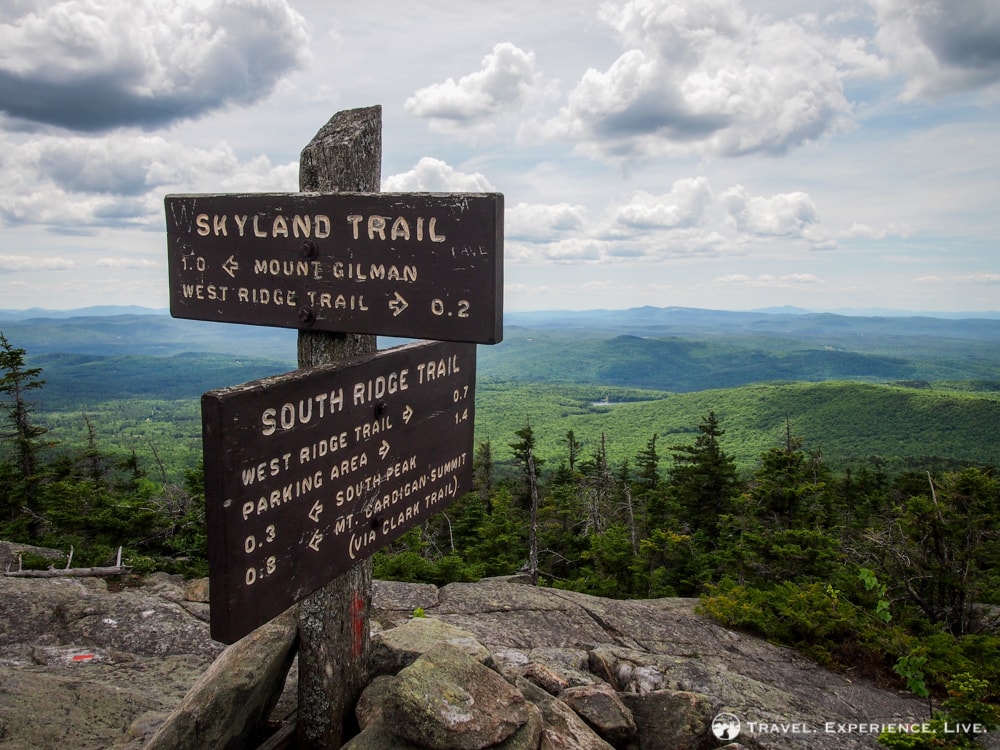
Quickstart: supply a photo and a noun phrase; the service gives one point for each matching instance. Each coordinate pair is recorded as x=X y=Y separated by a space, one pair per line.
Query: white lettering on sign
x=348 y=465
x=323 y=448
x=326 y=300
x=275 y=267
x=267 y=296
x=378 y=387
x=265 y=469
x=449 y=491
x=398 y=228
x=278 y=497
x=205 y=291
x=288 y=415
x=441 y=368
x=447 y=468
x=400 y=518
x=374 y=271
x=299 y=226
x=370 y=429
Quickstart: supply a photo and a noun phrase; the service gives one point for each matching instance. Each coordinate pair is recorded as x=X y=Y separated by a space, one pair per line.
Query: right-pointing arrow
x=397 y=304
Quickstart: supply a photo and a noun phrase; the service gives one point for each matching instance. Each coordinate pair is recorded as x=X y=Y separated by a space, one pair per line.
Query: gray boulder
x=446 y=700
x=562 y=728
x=230 y=701
x=666 y=718
x=394 y=649
x=603 y=710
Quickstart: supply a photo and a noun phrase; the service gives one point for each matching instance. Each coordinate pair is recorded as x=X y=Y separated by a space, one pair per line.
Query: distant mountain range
x=672 y=348
x=109 y=310
x=80 y=312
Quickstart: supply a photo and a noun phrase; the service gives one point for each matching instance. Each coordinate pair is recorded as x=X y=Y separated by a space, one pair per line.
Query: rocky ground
x=86 y=666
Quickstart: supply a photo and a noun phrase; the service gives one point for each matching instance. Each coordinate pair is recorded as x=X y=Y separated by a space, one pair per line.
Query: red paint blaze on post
x=358 y=620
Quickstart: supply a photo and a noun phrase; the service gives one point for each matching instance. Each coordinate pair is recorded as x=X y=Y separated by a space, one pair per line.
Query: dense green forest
x=854 y=518
x=913 y=425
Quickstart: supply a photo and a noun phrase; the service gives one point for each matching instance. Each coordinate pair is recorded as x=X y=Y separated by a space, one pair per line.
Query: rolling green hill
x=918 y=428
x=690 y=362
x=924 y=389
x=846 y=421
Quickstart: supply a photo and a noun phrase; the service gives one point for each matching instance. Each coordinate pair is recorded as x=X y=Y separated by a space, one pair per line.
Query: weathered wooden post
x=344 y=156
x=307 y=474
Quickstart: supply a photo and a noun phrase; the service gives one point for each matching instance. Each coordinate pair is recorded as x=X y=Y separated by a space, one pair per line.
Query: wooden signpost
x=311 y=472
x=413 y=265
x=308 y=474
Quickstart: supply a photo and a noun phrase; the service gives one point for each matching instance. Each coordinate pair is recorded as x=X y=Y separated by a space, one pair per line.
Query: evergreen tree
x=597 y=490
x=482 y=472
x=524 y=451
x=573 y=448
x=502 y=549
x=941 y=550
x=793 y=485
x=530 y=465
x=648 y=464
x=15 y=383
x=781 y=525
x=703 y=478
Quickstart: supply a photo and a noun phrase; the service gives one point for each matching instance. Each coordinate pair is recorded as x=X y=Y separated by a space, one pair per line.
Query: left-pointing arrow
x=231 y=266
x=316 y=539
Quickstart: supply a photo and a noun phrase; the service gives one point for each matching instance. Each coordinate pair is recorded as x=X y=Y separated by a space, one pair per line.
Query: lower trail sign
x=310 y=472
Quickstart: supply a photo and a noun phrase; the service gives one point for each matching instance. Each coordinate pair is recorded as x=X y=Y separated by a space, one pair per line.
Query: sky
x=724 y=154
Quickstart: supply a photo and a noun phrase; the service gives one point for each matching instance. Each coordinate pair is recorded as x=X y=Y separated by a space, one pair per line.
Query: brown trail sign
x=310 y=472
x=416 y=265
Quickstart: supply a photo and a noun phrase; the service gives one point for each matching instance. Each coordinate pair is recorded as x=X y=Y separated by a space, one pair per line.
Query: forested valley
x=856 y=519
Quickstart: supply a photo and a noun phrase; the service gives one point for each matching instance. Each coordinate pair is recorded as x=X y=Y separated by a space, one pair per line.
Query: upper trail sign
x=417 y=265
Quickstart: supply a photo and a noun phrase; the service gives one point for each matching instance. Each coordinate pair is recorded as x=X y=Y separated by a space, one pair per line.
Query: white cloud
x=470 y=105
x=434 y=175
x=687 y=222
x=706 y=77
x=785 y=214
x=865 y=231
x=126 y=263
x=74 y=182
x=982 y=278
x=783 y=281
x=542 y=222
x=92 y=66
x=26 y=263
x=683 y=206
x=941 y=47
x=569 y=250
